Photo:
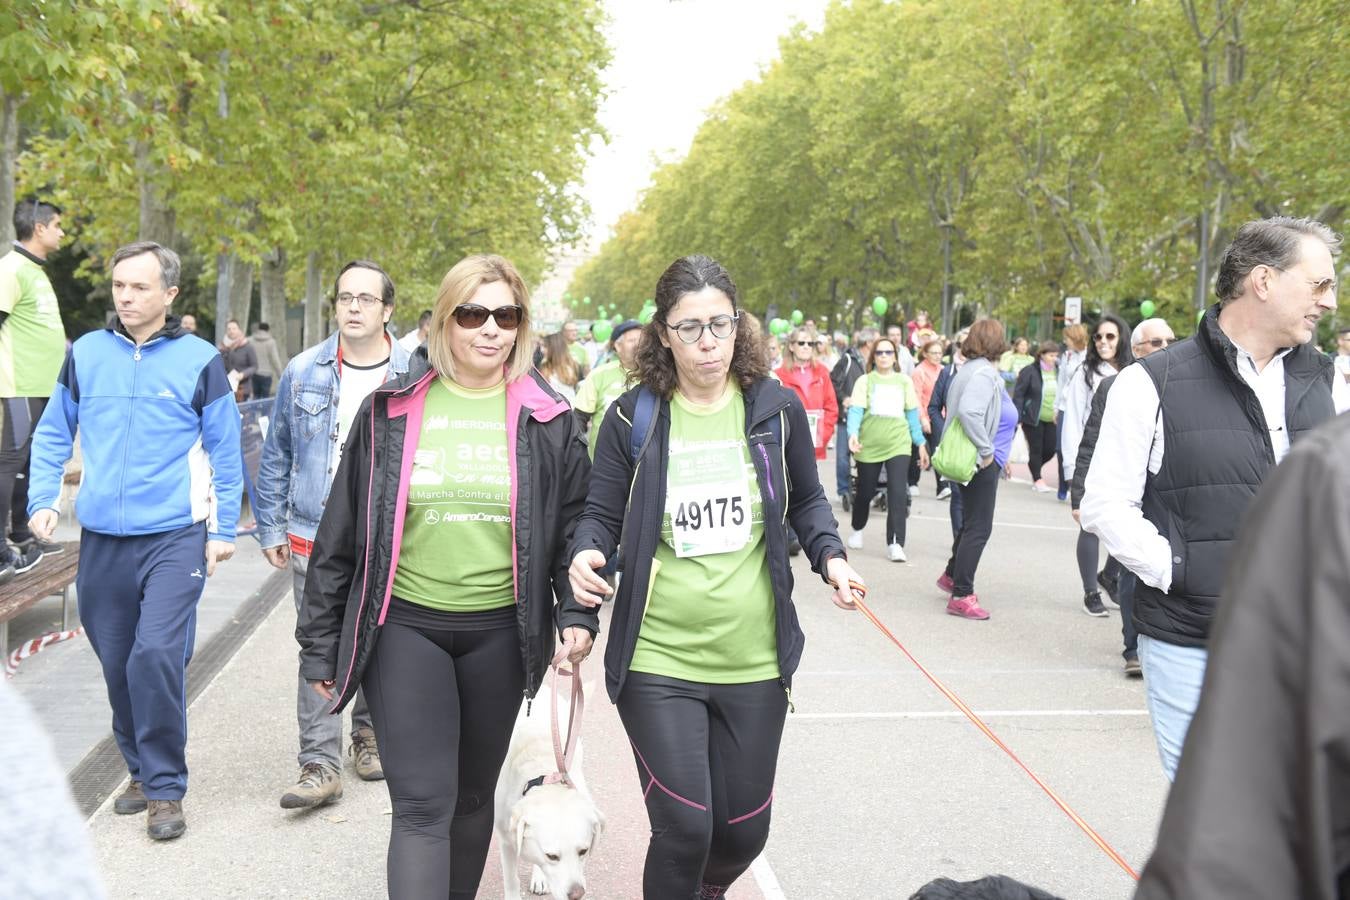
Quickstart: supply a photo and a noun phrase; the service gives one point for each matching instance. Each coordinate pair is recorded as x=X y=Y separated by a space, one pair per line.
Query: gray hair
x=1275 y=242
x=1138 y=334
x=170 y=267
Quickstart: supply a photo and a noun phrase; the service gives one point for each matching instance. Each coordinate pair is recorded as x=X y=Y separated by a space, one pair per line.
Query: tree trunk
x=241 y=292
x=314 y=305
x=224 y=276
x=157 y=219
x=273 y=297
x=9 y=153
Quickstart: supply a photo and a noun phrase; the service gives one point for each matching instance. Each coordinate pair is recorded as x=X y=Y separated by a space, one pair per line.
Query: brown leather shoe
x=130 y=801
x=366 y=756
x=165 y=820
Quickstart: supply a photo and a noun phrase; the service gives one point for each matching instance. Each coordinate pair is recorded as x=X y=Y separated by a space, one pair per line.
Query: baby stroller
x=879 y=498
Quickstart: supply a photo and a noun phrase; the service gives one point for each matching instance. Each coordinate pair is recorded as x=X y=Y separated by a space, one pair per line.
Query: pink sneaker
x=966 y=607
x=945 y=583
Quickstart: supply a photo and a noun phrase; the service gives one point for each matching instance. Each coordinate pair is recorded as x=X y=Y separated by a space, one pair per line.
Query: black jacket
x=1261 y=803
x=937 y=403
x=626 y=504
x=1216 y=453
x=352 y=567
x=1027 y=394
x=846 y=372
x=1091 y=430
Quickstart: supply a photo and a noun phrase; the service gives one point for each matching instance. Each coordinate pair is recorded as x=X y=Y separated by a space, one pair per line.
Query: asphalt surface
x=882 y=784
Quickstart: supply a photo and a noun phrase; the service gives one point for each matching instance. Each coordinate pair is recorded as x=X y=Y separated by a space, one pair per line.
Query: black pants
x=262 y=387
x=706 y=756
x=977 y=523
x=16 y=440
x=897 y=496
x=1087 y=553
x=1042 y=438
x=443 y=704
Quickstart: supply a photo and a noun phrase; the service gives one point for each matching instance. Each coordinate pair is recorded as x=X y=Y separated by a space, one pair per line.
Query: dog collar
x=533 y=783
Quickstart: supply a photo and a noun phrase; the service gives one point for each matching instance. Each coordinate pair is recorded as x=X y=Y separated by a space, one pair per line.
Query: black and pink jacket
x=351 y=572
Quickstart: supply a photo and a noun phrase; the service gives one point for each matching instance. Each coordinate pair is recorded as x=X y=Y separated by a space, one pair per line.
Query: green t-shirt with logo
x=1049 y=390
x=884 y=432
x=710 y=608
x=456 y=549
x=32 y=339
x=597 y=391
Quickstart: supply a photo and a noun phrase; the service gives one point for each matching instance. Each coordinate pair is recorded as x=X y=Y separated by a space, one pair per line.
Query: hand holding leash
x=847 y=583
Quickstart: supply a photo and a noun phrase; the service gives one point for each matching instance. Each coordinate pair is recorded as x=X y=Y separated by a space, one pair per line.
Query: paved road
x=882 y=785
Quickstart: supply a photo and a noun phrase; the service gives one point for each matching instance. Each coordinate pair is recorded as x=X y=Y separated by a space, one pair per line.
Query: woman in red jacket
x=811 y=380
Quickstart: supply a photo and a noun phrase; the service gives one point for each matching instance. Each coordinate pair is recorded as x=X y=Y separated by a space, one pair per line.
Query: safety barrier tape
x=28 y=648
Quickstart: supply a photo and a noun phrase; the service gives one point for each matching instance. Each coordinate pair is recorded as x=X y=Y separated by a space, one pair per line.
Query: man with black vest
x=1188 y=436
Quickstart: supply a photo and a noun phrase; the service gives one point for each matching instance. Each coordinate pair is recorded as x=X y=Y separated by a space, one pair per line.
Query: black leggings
x=977 y=523
x=443 y=704
x=706 y=755
x=1041 y=440
x=1087 y=552
x=897 y=496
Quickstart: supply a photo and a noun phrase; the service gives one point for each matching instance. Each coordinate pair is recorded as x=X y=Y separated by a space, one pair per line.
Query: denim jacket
x=301 y=452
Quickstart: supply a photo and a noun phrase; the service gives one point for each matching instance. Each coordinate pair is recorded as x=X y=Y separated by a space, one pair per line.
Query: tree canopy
x=1001 y=155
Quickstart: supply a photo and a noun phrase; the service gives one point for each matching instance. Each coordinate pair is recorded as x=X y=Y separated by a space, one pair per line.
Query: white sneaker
x=945 y=492
x=914 y=490
x=855 y=541
x=896 y=553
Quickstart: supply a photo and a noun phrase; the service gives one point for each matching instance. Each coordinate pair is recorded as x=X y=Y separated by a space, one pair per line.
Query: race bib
x=708 y=500
x=813 y=420
x=888 y=400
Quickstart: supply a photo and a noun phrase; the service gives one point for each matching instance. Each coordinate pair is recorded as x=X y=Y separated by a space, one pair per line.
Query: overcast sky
x=673 y=59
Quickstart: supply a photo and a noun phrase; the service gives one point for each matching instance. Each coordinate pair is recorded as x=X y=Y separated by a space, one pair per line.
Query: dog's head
x=557 y=828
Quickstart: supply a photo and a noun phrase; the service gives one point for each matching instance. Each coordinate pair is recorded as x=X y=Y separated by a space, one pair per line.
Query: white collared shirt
x=1130 y=447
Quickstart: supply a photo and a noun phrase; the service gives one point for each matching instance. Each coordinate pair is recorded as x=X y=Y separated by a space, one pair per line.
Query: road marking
x=767 y=881
x=889 y=673
x=1074 y=528
x=983 y=714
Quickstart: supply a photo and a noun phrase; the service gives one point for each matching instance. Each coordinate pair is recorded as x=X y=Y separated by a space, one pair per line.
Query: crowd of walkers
x=452 y=508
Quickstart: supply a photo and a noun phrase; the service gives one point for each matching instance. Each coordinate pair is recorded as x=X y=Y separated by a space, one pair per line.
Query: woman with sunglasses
x=883 y=427
x=1108 y=352
x=698 y=471
x=435 y=567
x=811 y=381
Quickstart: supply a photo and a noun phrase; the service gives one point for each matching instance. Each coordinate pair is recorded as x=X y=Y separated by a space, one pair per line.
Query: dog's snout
x=576 y=892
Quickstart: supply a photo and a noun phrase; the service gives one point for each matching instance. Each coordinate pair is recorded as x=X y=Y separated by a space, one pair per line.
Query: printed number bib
x=813 y=419
x=708 y=500
x=888 y=400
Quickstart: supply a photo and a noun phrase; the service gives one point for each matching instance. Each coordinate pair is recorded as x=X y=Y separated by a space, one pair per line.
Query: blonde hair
x=1076 y=337
x=457 y=288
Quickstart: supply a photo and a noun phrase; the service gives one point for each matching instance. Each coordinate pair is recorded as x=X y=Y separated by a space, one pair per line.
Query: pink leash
x=563 y=755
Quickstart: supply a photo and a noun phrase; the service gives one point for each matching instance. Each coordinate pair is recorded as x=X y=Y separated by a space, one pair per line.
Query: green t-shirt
x=884 y=432
x=456 y=550
x=32 y=339
x=710 y=617
x=597 y=391
x=1049 y=388
x=579 y=354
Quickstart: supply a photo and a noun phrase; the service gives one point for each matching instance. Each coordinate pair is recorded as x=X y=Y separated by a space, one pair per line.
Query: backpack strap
x=644 y=422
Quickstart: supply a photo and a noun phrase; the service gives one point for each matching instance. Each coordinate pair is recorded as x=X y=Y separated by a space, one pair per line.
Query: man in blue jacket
x=158 y=506
x=317 y=399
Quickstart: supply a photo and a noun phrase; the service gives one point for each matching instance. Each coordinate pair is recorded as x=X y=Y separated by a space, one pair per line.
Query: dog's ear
x=517 y=828
x=597 y=829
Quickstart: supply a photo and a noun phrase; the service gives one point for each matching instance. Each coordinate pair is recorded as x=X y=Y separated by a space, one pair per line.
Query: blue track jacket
x=159 y=430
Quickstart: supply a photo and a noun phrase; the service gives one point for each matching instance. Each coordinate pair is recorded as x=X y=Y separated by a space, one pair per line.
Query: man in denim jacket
x=317 y=398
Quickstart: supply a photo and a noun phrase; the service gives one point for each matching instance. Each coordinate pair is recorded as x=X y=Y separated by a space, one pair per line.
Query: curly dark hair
x=689 y=275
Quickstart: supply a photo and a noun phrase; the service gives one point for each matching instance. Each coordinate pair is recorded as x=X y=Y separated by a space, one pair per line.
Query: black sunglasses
x=471 y=315
x=804 y=343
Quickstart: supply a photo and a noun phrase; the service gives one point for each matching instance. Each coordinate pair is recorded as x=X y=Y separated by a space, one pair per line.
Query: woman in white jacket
x=1107 y=354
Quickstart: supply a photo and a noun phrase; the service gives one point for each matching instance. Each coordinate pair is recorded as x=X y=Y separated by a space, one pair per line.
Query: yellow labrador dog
x=554 y=827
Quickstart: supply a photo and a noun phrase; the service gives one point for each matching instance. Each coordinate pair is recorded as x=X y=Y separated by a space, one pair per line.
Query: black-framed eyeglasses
x=691 y=331
x=471 y=315
x=1157 y=343
x=366 y=301
x=1109 y=338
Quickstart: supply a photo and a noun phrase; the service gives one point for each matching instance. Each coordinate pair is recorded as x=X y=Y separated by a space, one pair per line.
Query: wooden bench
x=53 y=575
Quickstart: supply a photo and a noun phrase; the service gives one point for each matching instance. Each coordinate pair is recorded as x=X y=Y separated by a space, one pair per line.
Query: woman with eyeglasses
x=1108 y=352
x=698 y=472
x=432 y=582
x=883 y=427
x=925 y=378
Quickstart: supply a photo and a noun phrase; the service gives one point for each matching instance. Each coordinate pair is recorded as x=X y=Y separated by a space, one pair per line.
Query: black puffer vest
x=1216 y=452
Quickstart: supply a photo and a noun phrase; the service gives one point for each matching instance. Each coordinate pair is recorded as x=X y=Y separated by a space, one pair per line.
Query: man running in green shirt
x=32 y=348
x=609 y=379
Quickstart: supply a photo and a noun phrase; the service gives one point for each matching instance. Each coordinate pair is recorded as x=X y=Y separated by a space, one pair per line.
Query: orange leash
x=859 y=592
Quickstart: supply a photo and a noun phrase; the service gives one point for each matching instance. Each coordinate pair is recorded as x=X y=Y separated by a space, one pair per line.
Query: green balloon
x=601 y=330
x=797 y=317
x=779 y=327
x=1147 y=309
x=648 y=313
x=879 y=306
x=616 y=319
x=585 y=301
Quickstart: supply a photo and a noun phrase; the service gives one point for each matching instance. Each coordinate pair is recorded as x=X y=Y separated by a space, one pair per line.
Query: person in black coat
x=1034 y=397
